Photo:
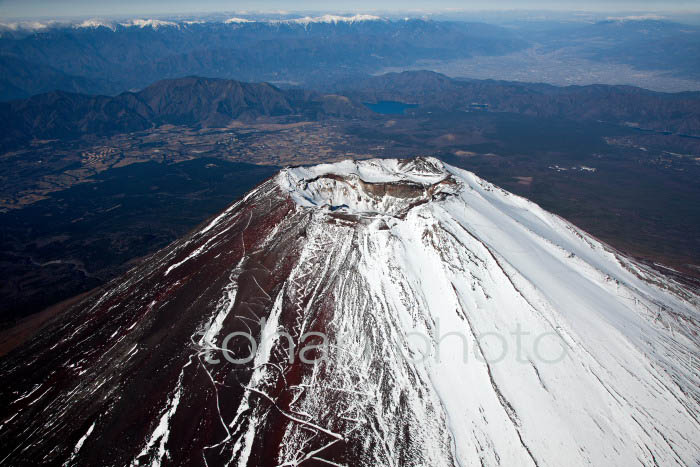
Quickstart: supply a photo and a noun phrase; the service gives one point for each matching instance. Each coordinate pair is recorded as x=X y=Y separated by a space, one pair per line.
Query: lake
x=389 y=107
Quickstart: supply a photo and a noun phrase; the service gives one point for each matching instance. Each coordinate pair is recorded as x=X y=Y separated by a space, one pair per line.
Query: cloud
x=636 y=18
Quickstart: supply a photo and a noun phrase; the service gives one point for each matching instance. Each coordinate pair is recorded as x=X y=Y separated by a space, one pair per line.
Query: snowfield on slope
x=463 y=325
x=485 y=262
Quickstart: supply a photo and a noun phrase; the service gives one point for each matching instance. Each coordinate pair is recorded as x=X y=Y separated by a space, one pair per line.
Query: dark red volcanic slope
x=115 y=358
x=367 y=253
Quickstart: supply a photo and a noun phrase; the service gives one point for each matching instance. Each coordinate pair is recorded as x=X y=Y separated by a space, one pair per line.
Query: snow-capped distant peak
x=152 y=23
x=332 y=19
x=238 y=21
x=94 y=23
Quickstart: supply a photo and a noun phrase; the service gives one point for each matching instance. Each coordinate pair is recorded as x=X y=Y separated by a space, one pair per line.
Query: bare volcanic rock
x=383 y=312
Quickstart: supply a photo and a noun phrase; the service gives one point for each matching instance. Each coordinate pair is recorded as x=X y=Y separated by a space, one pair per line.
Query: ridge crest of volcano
x=377 y=187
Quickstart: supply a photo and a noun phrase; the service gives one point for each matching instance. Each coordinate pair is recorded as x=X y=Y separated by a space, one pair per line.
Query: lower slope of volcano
x=382 y=312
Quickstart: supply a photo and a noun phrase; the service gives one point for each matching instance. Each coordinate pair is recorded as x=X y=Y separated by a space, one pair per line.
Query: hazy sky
x=56 y=8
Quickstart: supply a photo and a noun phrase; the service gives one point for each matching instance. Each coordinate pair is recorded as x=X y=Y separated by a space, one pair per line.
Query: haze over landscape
x=350 y=233
x=45 y=8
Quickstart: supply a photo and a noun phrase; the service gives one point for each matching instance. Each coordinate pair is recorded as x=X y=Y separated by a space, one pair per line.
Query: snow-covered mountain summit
x=112 y=24
x=378 y=187
x=381 y=312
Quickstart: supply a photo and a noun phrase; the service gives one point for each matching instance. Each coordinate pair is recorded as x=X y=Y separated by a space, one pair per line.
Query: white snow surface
x=466 y=326
x=94 y=23
x=44 y=25
x=575 y=354
x=149 y=23
x=238 y=21
x=347 y=185
x=79 y=445
x=332 y=19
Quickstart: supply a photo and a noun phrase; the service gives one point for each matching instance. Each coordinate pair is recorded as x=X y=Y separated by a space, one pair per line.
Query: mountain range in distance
x=208 y=102
x=191 y=101
x=111 y=56
x=123 y=57
x=627 y=105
